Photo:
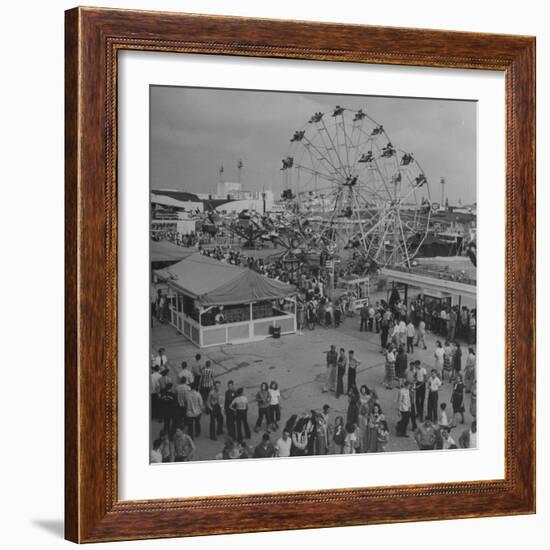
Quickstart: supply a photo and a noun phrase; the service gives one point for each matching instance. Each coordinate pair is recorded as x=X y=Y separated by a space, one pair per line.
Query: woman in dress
x=339 y=435
x=390 y=367
x=322 y=435
x=364 y=410
x=401 y=363
x=300 y=315
x=341 y=364
x=352 y=415
x=370 y=444
x=383 y=436
x=395 y=335
x=310 y=315
x=384 y=332
x=470 y=370
x=329 y=310
x=457 y=399
x=338 y=312
x=457 y=361
x=439 y=355
x=351 y=442
x=448 y=354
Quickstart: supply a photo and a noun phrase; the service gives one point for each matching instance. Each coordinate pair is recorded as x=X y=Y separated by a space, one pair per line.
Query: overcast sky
x=194 y=131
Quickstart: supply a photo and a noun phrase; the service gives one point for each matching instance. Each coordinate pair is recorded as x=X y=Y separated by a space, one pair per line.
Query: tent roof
x=216 y=283
x=183 y=196
x=170 y=201
x=165 y=251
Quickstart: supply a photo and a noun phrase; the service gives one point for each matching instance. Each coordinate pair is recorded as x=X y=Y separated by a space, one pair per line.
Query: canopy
x=169 y=201
x=165 y=251
x=216 y=283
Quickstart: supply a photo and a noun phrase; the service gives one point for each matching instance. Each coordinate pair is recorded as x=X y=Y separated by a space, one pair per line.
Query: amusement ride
x=351 y=194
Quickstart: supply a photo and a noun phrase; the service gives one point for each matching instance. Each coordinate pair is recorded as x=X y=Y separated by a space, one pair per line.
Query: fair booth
x=213 y=303
x=360 y=288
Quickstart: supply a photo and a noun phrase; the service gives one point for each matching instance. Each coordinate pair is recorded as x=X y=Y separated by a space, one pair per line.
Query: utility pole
x=442 y=182
x=239 y=169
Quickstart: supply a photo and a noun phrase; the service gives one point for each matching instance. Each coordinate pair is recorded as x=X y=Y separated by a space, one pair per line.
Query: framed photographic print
x=310 y=246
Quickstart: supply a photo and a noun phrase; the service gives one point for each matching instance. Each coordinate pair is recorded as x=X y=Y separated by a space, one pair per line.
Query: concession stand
x=214 y=303
x=359 y=288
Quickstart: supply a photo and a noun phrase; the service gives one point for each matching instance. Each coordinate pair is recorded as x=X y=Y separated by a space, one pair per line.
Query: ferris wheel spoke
x=313 y=172
x=323 y=156
x=327 y=147
x=365 y=190
x=383 y=179
x=334 y=147
x=338 y=146
x=346 y=146
x=354 y=145
x=403 y=242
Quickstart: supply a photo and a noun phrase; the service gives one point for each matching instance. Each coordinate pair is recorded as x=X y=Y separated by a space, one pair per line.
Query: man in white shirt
x=282 y=447
x=404 y=408
x=371 y=314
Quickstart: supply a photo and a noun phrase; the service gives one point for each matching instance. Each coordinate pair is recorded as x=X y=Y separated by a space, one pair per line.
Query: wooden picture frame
x=93 y=39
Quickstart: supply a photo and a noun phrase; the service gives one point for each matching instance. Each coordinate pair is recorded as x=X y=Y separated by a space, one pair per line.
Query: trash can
x=275 y=331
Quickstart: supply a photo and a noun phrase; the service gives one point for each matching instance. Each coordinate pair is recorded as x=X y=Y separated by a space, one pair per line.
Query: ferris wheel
x=360 y=192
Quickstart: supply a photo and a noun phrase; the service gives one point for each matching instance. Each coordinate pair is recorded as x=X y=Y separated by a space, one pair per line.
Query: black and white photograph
x=312 y=274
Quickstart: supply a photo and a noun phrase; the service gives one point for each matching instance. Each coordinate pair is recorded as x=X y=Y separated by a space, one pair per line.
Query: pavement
x=297 y=362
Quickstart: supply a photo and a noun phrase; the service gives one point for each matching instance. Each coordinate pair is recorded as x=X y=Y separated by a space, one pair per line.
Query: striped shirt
x=207 y=377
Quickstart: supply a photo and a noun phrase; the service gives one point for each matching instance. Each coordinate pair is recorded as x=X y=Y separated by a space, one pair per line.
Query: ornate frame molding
x=93 y=39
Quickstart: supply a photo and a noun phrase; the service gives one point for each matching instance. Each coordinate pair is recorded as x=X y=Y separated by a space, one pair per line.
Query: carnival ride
x=351 y=194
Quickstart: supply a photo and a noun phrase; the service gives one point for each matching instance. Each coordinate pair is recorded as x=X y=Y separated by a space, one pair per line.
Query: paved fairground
x=297 y=363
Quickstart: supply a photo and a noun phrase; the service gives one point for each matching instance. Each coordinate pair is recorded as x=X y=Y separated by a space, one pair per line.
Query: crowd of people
x=181 y=401
x=274 y=269
x=187 y=240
